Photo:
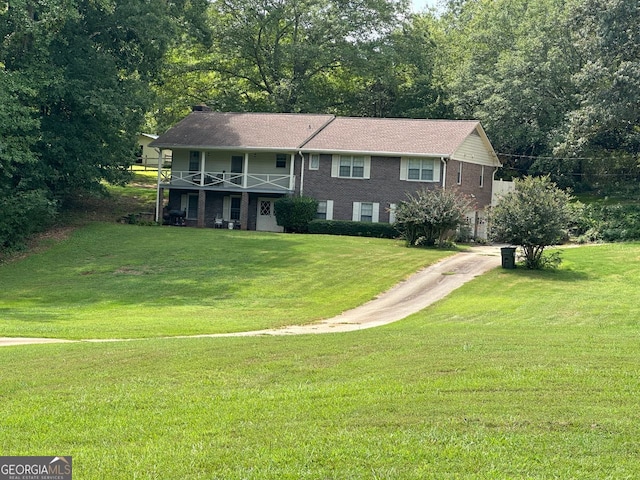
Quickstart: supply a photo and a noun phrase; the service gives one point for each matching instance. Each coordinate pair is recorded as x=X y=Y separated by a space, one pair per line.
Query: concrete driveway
x=410 y=296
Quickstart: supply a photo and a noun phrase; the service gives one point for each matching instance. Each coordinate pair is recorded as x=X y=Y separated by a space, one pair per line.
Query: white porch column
x=292 y=183
x=245 y=170
x=159 y=192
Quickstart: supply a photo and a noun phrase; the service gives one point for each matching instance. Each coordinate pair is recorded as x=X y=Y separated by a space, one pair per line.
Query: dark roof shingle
x=317 y=133
x=248 y=130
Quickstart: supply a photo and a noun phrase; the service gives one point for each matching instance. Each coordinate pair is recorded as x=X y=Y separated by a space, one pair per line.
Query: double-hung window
x=314 y=161
x=194 y=161
x=366 y=212
x=420 y=169
x=351 y=166
x=322 y=210
x=281 y=160
x=325 y=210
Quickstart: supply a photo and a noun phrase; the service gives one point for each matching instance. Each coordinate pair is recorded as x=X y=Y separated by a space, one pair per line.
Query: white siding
x=474 y=150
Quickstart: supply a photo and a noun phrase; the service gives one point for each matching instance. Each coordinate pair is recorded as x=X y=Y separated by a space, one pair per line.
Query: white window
x=366 y=212
x=482 y=176
x=420 y=169
x=325 y=210
x=281 y=160
x=459 y=180
x=314 y=161
x=351 y=166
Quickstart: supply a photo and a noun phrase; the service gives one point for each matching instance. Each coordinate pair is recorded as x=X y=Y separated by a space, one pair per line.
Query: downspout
x=301 y=173
x=158 y=199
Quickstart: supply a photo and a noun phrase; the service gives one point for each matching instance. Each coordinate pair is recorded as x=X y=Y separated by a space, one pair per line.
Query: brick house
x=230 y=167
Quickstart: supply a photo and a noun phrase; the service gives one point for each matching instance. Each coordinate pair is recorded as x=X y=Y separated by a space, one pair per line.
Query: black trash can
x=508 y=257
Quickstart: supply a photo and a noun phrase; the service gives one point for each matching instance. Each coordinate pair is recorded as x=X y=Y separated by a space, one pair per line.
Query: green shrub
x=610 y=223
x=353 y=229
x=295 y=213
x=431 y=216
x=24 y=213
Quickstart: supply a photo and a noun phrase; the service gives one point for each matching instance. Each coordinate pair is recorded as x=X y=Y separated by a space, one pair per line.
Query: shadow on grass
x=550 y=274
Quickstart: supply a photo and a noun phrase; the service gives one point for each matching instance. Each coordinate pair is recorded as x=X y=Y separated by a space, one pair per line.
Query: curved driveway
x=410 y=296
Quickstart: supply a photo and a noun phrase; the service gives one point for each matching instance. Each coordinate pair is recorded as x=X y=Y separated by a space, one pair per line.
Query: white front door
x=266 y=216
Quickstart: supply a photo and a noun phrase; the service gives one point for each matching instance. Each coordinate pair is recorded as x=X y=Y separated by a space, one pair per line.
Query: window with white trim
x=322 y=210
x=351 y=166
x=459 y=179
x=194 y=161
x=281 y=160
x=366 y=212
x=482 y=176
x=325 y=210
x=420 y=169
x=314 y=161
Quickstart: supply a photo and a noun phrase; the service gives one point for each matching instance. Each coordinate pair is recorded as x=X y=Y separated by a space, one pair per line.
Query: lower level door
x=266 y=216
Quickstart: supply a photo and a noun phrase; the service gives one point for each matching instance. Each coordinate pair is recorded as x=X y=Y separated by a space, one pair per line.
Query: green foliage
x=535 y=215
x=609 y=223
x=431 y=215
x=353 y=229
x=74 y=88
x=605 y=34
x=295 y=213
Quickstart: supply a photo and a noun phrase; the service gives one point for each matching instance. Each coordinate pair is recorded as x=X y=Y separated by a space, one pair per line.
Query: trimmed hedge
x=353 y=229
x=295 y=213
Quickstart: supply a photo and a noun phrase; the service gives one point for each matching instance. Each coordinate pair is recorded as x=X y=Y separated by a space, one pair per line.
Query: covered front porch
x=222 y=209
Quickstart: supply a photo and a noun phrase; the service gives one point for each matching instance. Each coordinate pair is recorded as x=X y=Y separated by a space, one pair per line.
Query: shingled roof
x=320 y=133
x=264 y=131
x=392 y=136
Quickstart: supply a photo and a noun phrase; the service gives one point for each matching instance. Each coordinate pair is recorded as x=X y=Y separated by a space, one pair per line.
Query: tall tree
x=607 y=120
x=292 y=55
x=89 y=64
x=510 y=66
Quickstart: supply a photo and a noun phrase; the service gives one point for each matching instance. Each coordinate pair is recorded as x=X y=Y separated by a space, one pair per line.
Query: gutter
x=444 y=172
x=301 y=173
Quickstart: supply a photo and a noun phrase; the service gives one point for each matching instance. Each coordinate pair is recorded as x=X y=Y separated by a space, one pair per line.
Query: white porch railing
x=225 y=180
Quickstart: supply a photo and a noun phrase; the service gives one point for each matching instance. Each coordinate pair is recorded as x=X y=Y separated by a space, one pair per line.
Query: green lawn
x=126 y=281
x=517 y=374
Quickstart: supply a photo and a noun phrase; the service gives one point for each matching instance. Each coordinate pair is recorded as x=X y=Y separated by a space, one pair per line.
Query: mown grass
x=123 y=281
x=517 y=374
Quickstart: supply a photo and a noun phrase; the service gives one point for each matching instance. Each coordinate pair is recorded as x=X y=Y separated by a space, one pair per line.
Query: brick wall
x=384 y=186
x=470 y=185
